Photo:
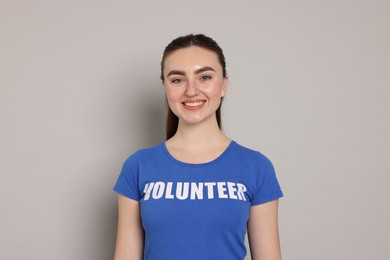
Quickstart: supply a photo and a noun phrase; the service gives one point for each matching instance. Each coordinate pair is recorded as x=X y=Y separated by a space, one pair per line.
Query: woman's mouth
x=191 y=105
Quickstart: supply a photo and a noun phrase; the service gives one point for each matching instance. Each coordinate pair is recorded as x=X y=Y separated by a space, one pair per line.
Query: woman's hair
x=182 y=42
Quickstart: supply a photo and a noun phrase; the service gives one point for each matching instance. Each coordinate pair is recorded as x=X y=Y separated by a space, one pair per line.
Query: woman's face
x=194 y=84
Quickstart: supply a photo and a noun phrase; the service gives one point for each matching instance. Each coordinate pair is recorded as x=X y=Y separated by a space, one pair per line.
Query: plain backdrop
x=309 y=87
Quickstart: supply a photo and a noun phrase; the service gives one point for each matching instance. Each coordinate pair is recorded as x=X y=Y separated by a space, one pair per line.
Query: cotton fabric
x=197 y=211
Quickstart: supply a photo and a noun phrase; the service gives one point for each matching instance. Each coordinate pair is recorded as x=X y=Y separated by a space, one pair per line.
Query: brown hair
x=202 y=41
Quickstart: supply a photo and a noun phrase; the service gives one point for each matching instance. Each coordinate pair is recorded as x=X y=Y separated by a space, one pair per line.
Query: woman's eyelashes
x=176 y=81
x=180 y=80
x=205 y=77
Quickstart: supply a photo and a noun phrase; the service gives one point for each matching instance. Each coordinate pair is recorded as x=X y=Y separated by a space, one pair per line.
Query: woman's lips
x=193 y=104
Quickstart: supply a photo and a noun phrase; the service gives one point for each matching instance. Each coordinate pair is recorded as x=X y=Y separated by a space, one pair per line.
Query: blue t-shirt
x=197 y=211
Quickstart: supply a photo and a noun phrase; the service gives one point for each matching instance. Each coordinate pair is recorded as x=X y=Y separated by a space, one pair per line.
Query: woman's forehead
x=192 y=57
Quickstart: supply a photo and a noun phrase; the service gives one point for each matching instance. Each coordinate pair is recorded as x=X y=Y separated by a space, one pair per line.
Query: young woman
x=195 y=195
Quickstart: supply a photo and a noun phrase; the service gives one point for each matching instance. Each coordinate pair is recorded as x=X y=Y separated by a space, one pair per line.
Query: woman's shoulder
x=250 y=153
x=245 y=150
x=150 y=149
x=145 y=152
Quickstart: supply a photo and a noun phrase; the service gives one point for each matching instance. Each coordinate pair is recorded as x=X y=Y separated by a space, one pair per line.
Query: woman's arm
x=263 y=231
x=130 y=235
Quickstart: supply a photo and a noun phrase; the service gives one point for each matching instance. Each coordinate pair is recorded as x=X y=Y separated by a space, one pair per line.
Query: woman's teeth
x=193 y=104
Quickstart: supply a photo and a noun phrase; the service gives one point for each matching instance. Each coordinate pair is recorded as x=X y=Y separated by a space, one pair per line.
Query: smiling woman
x=195 y=195
x=194 y=81
x=201 y=41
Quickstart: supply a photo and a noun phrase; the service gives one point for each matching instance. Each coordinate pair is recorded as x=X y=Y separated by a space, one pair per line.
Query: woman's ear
x=224 y=86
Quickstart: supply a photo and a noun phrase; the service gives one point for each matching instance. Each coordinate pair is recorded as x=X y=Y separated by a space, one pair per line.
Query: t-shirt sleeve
x=127 y=183
x=267 y=186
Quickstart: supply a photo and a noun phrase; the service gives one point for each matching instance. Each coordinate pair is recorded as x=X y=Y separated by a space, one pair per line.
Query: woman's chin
x=192 y=121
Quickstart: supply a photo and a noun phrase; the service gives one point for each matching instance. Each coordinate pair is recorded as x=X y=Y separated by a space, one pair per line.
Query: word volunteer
x=194 y=190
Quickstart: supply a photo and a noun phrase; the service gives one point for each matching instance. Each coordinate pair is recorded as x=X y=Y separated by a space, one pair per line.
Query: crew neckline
x=220 y=157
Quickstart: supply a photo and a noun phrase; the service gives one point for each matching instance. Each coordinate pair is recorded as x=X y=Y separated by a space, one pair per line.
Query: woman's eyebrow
x=182 y=73
x=204 y=69
x=176 y=72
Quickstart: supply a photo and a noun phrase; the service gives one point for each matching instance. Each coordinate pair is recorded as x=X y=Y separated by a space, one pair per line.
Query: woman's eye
x=205 y=78
x=176 y=81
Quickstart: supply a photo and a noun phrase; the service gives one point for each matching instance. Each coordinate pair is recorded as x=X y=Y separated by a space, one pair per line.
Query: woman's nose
x=191 y=89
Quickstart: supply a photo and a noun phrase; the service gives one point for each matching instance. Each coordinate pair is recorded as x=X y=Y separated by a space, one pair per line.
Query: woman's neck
x=199 y=136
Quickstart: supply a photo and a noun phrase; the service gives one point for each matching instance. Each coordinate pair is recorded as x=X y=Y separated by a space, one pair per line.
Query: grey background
x=80 y=91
